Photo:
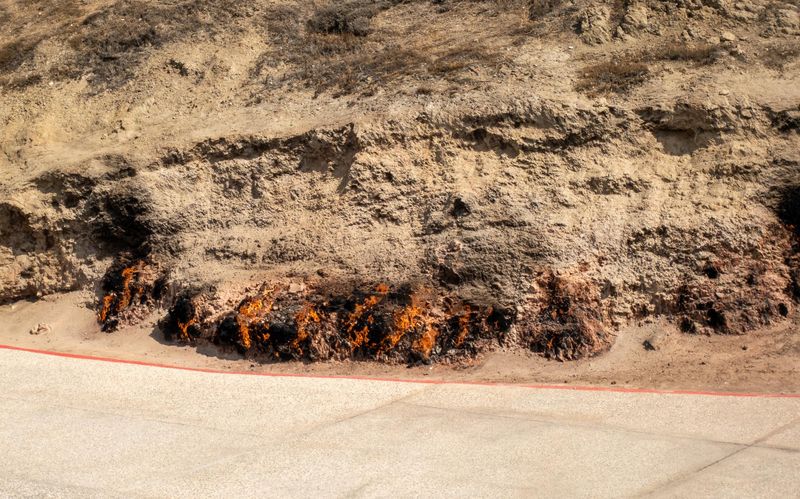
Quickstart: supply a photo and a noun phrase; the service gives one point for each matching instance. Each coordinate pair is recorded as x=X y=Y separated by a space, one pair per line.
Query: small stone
x=40 y=329
x=724 y=92
x=295 y=288
x=654 y=341
x=728 y=36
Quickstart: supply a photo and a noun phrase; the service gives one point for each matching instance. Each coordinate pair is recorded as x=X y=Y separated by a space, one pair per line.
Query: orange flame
x=424 y=344
x=358 y=337
x=244 y=334
x=107 y=302
x=251 y=310
x=184 y=328
x=463 y=326
x=127 y=275
x=251 y=307
x=413 y=318
x=306 y=315
x=406 y=319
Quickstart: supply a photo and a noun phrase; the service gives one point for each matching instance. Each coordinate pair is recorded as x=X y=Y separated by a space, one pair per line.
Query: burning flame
x=251 y=307
x=424 y=344
x=306 y=315
x=184 y=328
x=358 y=336
x=463 y=326
x=410 y=318
x=244 y=334
x=250 y=311
x=413 y=318
x=372 y=325
x=108 y=300
x=121 y=297
x=405 y=320
x=127 y=275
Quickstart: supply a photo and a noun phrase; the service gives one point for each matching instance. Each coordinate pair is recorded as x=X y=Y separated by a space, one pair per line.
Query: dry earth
x=480 y=184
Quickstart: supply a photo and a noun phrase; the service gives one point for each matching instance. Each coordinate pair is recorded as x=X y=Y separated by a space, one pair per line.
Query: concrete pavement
x=84 y=428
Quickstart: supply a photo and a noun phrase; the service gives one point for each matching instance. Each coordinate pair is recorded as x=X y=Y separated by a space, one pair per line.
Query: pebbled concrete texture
x=85 y=428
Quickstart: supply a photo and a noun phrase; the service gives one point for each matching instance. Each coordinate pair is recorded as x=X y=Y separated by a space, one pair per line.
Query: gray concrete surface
x=85 y=428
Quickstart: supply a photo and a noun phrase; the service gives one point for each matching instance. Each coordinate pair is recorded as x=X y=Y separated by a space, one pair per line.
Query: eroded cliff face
x=520 y=198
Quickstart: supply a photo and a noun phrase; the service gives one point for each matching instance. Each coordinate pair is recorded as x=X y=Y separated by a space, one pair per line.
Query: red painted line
x=401 y=380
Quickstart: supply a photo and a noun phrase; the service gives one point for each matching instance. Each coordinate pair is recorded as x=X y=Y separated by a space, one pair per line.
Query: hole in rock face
x=687 y=325
x=227 y=331
x=479 y=134
x=123 y=222
x=716 y=319
x=281 y=332
x=460 y=208
x=789 y=208
x=794 y=286
x=500 y=319
x=448 y=275
x=783 y=309
x=711 y=271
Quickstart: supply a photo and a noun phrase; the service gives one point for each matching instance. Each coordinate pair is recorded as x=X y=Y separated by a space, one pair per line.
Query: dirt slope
x=406 y=181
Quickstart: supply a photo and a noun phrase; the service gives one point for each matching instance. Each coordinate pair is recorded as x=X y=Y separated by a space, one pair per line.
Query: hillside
x=405 y=181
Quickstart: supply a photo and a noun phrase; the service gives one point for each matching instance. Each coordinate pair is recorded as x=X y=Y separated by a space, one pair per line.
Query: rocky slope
x=404 y=181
